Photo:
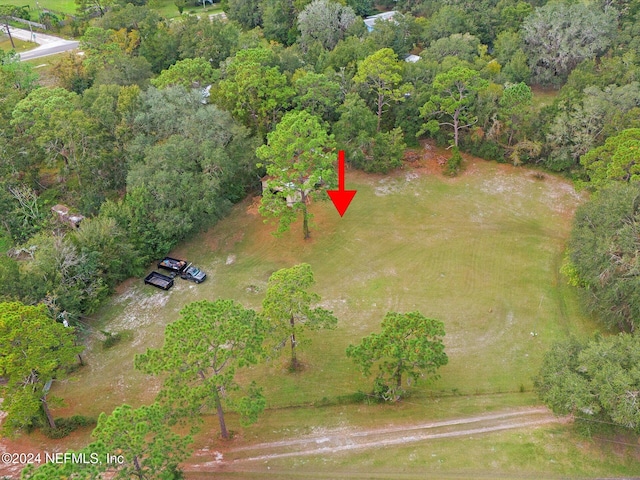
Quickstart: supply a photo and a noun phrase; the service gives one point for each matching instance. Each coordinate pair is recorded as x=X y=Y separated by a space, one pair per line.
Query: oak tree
x=34 y=350
x=558 y=36
x=326 y=22
x=597 y=382
x=210 y=38
x=604 y=255
x=582 y=124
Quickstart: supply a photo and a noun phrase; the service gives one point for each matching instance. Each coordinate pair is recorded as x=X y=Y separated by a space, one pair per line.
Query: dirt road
x=253 y=457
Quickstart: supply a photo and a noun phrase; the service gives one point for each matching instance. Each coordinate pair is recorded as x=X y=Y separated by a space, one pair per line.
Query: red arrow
x=341 y=198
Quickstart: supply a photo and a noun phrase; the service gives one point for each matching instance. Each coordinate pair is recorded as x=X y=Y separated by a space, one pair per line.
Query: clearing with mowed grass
x=480 y=252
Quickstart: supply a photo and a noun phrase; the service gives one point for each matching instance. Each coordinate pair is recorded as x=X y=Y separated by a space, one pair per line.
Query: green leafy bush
x=454 y=165
x=64 y=426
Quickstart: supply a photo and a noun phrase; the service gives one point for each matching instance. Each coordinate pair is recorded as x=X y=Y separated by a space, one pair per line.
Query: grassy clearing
x=20 y=45
x=480 y=252
x=44 y=68
x=64 y=6
x=543 y=96
x=168 y=9
x=45 y=64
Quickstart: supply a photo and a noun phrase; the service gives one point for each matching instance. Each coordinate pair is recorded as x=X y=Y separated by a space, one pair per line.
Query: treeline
x=597 y=381
x=181 y=163
x=152 y=132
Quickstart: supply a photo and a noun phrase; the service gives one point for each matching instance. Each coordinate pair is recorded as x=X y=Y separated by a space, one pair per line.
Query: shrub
x=114 y=338
x=381 y=154
x=454 y=165
x=484 y=149
x=64 y=426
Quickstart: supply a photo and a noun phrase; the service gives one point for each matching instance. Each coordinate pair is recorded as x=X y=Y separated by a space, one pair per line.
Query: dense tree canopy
x=326 y=22
x=604 y=249
x=318 y=94
x=597 y=381
x=253 y=90
x=190 y=72
x=617 y=160
x=558 y=36
x=35 y=350
x=208 y=149
x=582 y=125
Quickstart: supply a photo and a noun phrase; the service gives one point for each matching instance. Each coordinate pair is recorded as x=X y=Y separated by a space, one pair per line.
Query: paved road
x=47 y=44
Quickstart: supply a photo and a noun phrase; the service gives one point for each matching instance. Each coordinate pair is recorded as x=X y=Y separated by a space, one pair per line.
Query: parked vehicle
x=187 y=271
x=194 y=274
x=159 y=280
x=172 y=264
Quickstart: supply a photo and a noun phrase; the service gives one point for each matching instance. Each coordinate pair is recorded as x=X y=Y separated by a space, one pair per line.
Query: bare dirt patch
x=253 y=207
x=429 y=159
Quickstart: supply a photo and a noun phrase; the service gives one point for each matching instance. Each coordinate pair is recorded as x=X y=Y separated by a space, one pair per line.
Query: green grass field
x=166 y=8
x=543 y=96
x=20 y=45
x=481 y=252
x=64 y=6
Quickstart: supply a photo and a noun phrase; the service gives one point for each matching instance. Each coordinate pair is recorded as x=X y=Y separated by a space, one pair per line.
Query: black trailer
x=172 y=264
x=159 y=280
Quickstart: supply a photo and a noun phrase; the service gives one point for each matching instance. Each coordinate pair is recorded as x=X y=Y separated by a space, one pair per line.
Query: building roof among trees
x=370 y=21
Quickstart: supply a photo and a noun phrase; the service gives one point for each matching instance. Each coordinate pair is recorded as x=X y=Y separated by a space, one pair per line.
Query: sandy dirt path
x=341 y=440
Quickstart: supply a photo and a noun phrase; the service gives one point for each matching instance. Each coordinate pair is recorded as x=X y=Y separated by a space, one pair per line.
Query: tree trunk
x=223 y=426
x=456 y=127
x=305 y=218
x=136 y=464
x=13 y=45
x=47 y=412
x=294 y=358
x=380 y=103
